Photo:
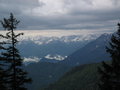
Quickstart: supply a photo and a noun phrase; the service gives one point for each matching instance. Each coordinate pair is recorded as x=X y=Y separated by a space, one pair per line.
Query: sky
x=63 y=14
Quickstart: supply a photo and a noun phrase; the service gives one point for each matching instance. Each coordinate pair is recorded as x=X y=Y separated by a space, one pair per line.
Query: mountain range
x=57 y=48
x=91 y=53
x=45 y=73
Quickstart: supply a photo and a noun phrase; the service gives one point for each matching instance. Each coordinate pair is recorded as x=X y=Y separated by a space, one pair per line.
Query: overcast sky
x=63 y=14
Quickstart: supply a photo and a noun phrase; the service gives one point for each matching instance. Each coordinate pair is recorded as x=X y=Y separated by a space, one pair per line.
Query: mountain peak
x=93 y=52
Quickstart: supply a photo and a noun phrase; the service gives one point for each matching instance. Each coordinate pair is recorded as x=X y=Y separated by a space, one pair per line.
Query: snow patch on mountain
x=56 y=57
x=47 y=36
x=31 y=60
x=40 y=40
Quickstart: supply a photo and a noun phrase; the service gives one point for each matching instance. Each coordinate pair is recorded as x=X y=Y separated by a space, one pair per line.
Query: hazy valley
x=48 y=58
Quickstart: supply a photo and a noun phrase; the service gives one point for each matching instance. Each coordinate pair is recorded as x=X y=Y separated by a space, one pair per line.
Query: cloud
x=31 y=59
x=63 y=14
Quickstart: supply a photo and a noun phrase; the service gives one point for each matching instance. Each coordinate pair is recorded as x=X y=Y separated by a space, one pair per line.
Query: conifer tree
x=17 y=77
x=110 y=73
x=2 y=78
x=3 y=69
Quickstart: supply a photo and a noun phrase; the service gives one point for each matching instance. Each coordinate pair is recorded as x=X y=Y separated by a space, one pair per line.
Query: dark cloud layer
x=63 y=14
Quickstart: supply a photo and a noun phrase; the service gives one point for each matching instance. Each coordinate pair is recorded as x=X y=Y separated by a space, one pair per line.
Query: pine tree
x=17 y=77
x=110 y=73
x=3 y=70
x=2 y=78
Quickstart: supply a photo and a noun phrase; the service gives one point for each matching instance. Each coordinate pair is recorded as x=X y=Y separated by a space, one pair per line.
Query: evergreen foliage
x=15 y=75
x=83 y=77
x=110 y=73
x=2 y=71
x=2 y=78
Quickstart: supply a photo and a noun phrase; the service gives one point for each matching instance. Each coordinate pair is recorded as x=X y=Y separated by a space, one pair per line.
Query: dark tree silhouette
x=17 y=77
x=2 y=78
x=110 y=73
x=3 y=67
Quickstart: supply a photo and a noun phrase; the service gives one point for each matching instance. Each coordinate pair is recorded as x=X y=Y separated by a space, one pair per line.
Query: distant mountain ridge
x=92 y=52
x=44 y=73
x=66 y=39
x=40 y=46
